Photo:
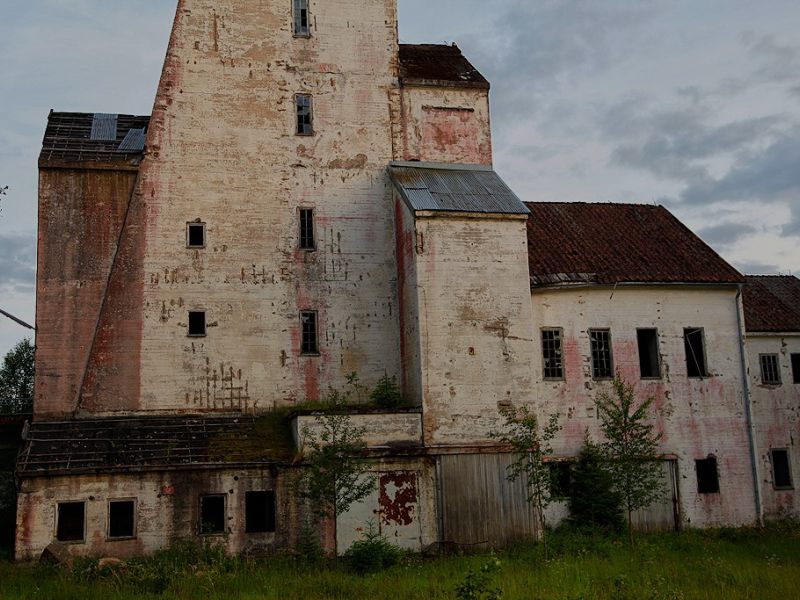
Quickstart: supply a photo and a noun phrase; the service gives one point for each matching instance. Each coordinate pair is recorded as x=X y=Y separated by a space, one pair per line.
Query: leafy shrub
x=476 y=584
x=593 y=501
x=372 y=554
x=387 y=393
x=309 y=548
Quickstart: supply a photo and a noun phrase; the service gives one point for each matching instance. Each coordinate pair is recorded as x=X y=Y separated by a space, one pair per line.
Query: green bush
x=309 y=548
x=372 y=554
x=387 y=393
x=593 y=501
x=476 y=584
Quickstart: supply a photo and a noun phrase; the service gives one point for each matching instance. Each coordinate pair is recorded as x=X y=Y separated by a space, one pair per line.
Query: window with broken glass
x=770 y=369
x=212 y=514
x=649 y=359
x=71 y=522
x=602 y=365
x=302 y=25
x=552 y=354
x=307 y=241
x=303 y=106
x=121 y=519
x=308 y=323
x=694 y=344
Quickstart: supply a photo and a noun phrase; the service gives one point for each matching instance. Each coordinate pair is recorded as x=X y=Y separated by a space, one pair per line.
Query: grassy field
x=724 y=564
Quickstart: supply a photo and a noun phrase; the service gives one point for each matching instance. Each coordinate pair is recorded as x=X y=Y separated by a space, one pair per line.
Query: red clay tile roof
x=438 y=65
x=772 y=303
x=575 y=242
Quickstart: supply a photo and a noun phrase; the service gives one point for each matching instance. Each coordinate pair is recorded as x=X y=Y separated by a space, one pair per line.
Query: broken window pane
x=212 y=514
x=71 y=524
x=649 y=363
x=196 y=235
x=308 y=322
x=197 y=323
x=602 y=367
x=796 y=368
x=301 y=18
x=695 y=352
x=770 y=369
x=307 y=241
x=552 y=353
x=707 y=476
x=260 y=512
x=303 y=106
x=781 y=472
x=121 y=519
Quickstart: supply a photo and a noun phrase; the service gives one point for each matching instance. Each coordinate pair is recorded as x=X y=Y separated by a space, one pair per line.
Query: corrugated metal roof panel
x=455 y=188
x=133 y=142
x=104 y=127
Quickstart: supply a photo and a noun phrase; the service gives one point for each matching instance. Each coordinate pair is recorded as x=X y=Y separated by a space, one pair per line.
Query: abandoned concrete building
x=311 y=199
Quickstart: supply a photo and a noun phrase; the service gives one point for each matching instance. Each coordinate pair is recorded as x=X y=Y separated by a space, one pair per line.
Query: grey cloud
x=793 y=226
x=17 y=261
x=726 y=234
x=756 y=268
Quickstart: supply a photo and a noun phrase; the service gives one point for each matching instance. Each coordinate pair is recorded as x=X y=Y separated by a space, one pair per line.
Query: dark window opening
x=301 y=18
x=796 y=368
x=196 y=235
x=212 y=514
x=781 y=472
x=71 y=525
x=552 y=353
x=770 y=369
x=307 y=241
x=695 y=353
x=259 y=512
x=707 y=476
x=303 y=106
x=649 y=362
x=560 y=479
x=602 y=367
x=121 y=519
x=197 y=323
x=308 y=322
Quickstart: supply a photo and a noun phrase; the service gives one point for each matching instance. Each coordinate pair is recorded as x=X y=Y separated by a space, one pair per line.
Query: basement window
x=707 y=476
x=307 y=241
x=212 y=515
x=304 y=110
x=602 y=367
x=71 y=522
x=694 y=343
x=302 y=27
x=308 y=324
x=197 y=323
x=552 y=354
x=259 y=512
x=781 y=471
x=770 y=369
x=195 y=235
x=121 y=519
x=649 y=360
x=796 y=368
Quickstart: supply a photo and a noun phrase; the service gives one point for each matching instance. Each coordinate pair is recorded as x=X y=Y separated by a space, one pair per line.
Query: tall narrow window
x=796 y=368
x=649 y=363
x=308 y=323
x=694 y=343
x=71 y=522
x=552 y=354
x=770 y=369
x=307 y=241
x=304 y=109
x=259 y=513
x=781 y=472
x=707 y=476
x=212 y=514
x=195 y=235
x=121 y=519
x=197 y=323
x=301 y=18
x=602 y=367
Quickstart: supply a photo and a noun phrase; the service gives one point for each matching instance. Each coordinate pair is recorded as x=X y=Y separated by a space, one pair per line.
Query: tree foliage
x=593 y=501
x=16 y=373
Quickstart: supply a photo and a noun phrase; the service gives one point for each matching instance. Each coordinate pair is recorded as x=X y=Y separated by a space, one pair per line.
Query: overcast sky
x=694 y=104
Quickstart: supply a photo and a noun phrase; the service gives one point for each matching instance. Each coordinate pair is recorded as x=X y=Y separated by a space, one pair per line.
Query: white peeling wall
x=699 y=417
x=382 y=429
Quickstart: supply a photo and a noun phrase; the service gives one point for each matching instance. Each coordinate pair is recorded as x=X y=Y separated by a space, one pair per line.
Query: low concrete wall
x=389 y=429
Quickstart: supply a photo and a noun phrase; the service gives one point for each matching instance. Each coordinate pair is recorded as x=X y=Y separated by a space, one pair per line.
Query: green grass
x=724 y=564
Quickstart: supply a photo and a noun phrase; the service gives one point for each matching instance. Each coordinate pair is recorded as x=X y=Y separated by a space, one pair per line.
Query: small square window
x=212 y=515
x=301 y=14
x=602 y=365
x=796 y=368
x=121 y=519
x=695 y=346
x=307 y=241
x=259 y=512
x=552 y=354
x=770 y=369
x=71 y=522
x=308 y=323
x=197 y=323
x=707 y=476
x=649 y=358
x=781 y=471
x=304 y=111
x=196 y=235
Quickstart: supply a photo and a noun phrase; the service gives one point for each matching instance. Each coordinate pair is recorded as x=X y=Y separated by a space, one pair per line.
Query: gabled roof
x=93 y=137
x=772 y=303
x=454 y=188
x=575 y=242
x=438 y=65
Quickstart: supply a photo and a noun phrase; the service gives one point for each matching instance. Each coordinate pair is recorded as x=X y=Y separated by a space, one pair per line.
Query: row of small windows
x=771 y=369
x=122 y=518
x=196 y=232
x=603 y=357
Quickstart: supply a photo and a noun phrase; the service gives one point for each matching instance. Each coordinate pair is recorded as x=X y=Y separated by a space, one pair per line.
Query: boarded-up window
x=71 y=522
x=307 y=241
x=707 y=476
x=260 y=512
x=304 y=108
x=781 y=470
x=770 y=369
x=121 y=519
x=694 y=344
x=197 y=323
x=649 y=360
x=552 y=354
x=308 y=324
x=196 y=235
x=212 y=514
x=602 y=366
x=796 y=368
x=302 y=26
